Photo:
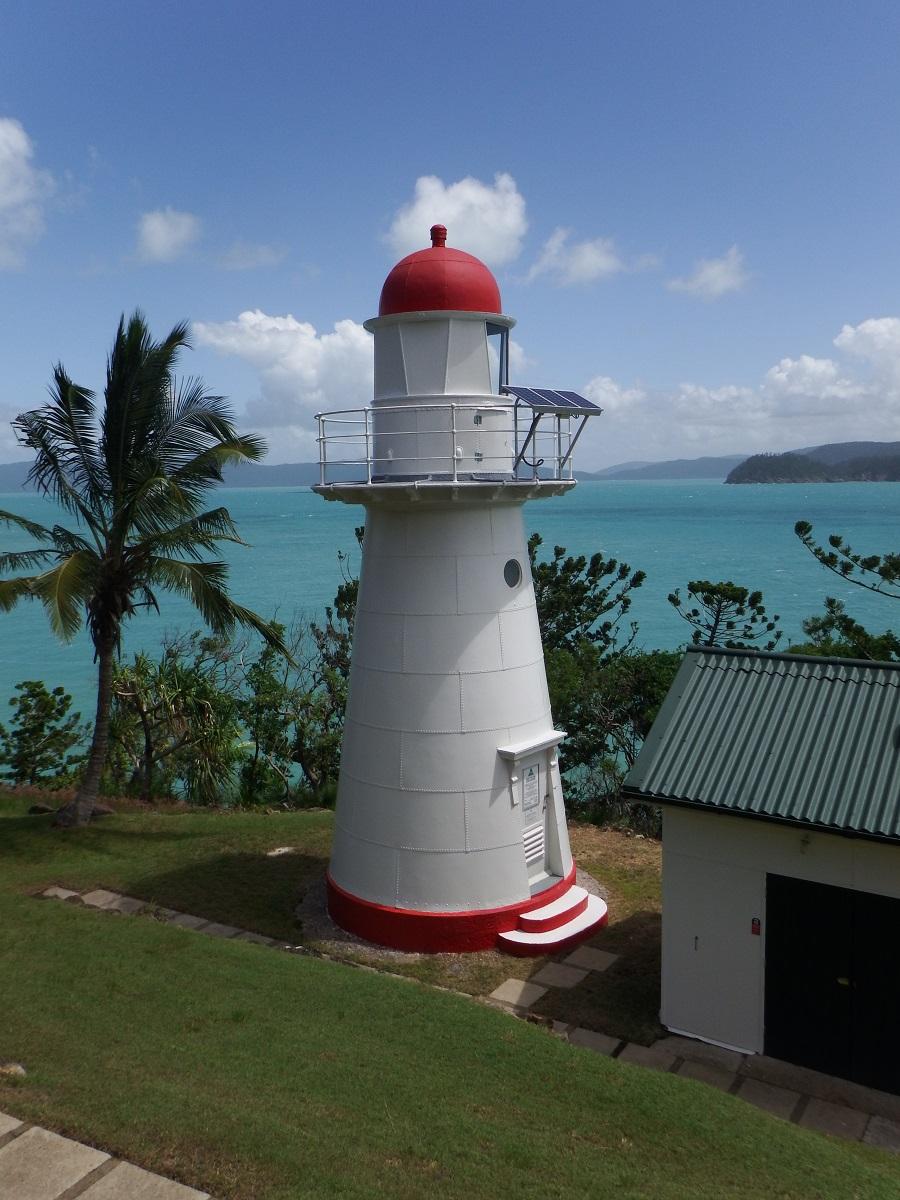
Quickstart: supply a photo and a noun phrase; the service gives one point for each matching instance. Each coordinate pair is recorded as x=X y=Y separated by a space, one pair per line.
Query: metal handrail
x=546 y=434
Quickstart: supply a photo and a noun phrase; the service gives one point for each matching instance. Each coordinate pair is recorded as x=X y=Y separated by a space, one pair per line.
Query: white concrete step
x=523 y=942
x=556 y=913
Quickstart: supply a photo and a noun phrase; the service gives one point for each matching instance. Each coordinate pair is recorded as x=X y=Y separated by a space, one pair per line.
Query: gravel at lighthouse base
x=318 y=927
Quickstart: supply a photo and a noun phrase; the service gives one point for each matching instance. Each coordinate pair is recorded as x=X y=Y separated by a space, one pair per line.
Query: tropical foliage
x=133 y=475
x=40 y=747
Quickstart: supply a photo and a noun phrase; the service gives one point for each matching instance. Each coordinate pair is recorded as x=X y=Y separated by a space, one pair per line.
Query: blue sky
x=692 y=210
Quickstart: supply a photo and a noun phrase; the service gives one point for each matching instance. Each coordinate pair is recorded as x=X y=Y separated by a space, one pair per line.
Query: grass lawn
x=258 y=1075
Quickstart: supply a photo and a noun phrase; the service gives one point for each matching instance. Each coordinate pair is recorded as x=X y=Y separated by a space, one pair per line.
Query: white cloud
x=487 y=220
x=611 y=396
x=714 y=277
x=809 y=385
x=581 y=262
x=23 y=190
x=301 y=372
x=877 y=343
x=518 y=359
x=164 y=234
x=249 y=256
x=798 y=402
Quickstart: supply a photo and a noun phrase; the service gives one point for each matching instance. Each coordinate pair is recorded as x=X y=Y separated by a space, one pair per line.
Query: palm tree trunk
x=78 y=811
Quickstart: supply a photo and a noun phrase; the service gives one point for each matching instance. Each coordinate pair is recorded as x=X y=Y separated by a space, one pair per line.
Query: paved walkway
x=36 y=1164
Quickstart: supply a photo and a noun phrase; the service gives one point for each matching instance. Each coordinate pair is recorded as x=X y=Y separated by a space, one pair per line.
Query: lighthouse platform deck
x=463 y=440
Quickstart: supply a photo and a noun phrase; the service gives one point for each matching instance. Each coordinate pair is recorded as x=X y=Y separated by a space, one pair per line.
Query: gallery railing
x=455 y=442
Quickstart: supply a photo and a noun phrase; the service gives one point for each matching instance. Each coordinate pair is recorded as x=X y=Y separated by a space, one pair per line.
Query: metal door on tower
x=533 y=800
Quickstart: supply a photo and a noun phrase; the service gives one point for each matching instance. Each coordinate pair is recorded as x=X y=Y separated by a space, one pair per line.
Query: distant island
x=841 y=462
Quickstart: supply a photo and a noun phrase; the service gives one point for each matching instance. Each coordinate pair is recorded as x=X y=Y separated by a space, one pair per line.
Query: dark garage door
x=833 y=980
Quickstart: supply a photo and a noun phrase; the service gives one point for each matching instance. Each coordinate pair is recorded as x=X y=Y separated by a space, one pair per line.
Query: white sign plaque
x=531 y=787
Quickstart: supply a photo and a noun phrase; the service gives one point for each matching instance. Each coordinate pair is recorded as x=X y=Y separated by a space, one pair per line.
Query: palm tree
x=135 y=483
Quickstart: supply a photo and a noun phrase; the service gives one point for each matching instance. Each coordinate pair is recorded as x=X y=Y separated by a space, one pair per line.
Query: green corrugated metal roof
x=810 y=741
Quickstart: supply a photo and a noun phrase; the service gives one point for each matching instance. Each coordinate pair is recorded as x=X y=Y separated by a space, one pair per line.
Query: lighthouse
x=450 y=828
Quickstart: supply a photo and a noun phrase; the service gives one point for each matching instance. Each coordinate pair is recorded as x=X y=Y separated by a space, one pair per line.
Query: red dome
x=439 y=278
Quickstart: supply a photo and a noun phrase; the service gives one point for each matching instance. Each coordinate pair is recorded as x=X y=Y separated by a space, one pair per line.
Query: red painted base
x=432 y=932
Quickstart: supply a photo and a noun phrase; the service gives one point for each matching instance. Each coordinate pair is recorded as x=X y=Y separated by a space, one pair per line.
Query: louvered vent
x=533 y=840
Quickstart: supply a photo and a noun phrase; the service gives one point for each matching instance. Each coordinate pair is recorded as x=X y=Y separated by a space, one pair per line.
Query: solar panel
x=549 y=401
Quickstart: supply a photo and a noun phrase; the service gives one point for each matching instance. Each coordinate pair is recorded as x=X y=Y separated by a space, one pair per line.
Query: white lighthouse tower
x=450 y=829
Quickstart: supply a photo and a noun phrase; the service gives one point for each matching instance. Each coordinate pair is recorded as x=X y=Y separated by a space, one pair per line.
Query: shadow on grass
x=246 y=889
x=623 y=1000
x=31 y=840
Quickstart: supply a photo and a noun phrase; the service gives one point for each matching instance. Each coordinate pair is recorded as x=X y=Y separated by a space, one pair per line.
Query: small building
x=778 y=779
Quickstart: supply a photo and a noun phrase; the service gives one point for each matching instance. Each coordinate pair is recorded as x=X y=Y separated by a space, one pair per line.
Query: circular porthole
x=512 y=572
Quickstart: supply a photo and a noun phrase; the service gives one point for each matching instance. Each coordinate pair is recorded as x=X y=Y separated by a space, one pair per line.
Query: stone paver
x=127 y=1182
x=824 y=1087
x=716 y=1077
x=518 y=993
x=775 y=1100
x=558 y=975
x=836 y=1119
x=220 y=931
x=884 y=1134
x=591 y=1040
x=100 y=898
x=40 y=1165
x=126 y=904
x=8 y=1123
x=186 y=921
x=58 y=893
x=590 y=959
x=696 y=1051
x=647 y=1056
x=256 y=938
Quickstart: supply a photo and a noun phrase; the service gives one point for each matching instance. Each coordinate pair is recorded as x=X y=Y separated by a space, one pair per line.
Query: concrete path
x=36 y=1164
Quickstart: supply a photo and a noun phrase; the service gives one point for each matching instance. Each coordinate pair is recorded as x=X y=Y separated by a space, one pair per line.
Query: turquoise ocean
x=674 y=531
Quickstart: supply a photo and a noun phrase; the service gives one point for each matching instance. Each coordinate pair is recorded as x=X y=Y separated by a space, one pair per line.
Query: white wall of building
x=714 y=884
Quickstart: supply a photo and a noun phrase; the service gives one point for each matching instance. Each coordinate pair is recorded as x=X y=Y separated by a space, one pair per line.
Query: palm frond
x=14 y=590
x=40 y=532
x=202 y=583
x=202 y=532
x=138 y=381
x=200 y=422
x=51 y=469
x=65 y=590
x=205 y=469
x=24 y=560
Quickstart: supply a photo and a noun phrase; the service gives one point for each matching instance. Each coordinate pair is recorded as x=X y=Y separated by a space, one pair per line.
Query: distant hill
x=12 y=476
x=840 y=452
x=249 y=475
x=879 y=463
x=675 y=468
